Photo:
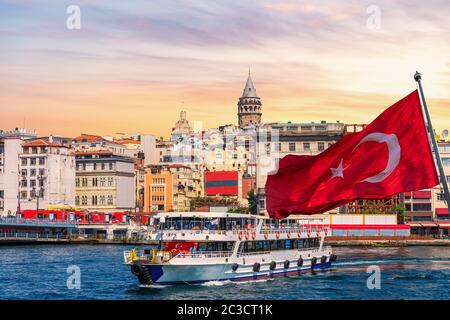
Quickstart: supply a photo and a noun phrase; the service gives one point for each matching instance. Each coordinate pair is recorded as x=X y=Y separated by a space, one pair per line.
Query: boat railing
x=284 y=230
x=200 y=255
x=26 y=235
x=256 y=253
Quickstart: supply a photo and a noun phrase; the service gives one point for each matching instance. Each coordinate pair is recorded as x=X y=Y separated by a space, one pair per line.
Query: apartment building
x=47 y=175
x=104 y=181
x=10 y=148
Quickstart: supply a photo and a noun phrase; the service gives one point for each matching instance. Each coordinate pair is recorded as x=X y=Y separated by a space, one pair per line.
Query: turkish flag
x=391 y=155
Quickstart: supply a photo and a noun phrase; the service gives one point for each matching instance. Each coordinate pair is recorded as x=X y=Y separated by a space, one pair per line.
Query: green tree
x=252 y=205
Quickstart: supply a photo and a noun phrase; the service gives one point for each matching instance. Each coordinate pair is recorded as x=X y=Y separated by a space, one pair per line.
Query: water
x=40 y=272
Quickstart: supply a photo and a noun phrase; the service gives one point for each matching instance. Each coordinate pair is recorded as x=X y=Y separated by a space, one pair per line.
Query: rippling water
x=40 y=272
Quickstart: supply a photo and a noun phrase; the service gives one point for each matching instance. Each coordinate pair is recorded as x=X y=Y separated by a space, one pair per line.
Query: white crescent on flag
x=394 y=154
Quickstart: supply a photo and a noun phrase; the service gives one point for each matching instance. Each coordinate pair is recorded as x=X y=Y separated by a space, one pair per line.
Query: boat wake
x=216 y=283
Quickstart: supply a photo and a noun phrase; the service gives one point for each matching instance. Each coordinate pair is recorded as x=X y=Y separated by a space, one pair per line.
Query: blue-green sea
x=41 y=272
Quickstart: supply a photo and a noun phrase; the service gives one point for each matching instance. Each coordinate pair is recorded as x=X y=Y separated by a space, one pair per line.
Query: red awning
x=422 y=194
x=441 y=211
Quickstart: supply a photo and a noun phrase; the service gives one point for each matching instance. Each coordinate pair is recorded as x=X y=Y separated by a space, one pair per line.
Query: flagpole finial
x=417 y=76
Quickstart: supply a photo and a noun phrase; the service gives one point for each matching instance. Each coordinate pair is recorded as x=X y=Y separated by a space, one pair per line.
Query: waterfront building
x=10 y=148
x=425 y=210
x=171 y=187
x=158 y=189
x=47 y=174
x=105 y=181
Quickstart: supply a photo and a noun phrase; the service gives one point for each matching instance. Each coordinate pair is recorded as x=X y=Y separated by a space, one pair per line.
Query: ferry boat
x=201 y=247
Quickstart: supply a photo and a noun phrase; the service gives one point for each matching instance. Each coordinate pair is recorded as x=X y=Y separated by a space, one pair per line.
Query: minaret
x=249 y=105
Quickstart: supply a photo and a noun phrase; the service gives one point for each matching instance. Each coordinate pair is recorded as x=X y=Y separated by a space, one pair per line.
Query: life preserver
x=234 y=267
x=253 y=235
x=288 y=233
x=256 y=267
x=286 y=264
x=247 y=235
x=136 y=269
x=277 y=234
x=300 y=262
x=240 y=235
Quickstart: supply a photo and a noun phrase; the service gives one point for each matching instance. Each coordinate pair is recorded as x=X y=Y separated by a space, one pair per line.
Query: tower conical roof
x=249 y=90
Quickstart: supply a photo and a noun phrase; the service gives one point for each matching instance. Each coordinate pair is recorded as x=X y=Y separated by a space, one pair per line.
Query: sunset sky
x=132 y=63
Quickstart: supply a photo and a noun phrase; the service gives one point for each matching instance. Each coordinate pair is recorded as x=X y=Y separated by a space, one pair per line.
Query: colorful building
x=104 y=181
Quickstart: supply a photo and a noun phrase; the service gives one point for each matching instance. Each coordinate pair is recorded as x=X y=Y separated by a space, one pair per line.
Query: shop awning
x=429 y=224
x=441 y=211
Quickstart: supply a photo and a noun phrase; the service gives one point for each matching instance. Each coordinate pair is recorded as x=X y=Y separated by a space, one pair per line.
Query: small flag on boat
x=391 y=155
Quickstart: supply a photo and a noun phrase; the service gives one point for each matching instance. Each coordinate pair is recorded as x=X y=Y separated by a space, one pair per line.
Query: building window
x=23 y=195
x=24 y=161
x=84 y=182
x=111 y=166
x=110 y=182
x=291 y=146
x=102 y=200
x=422 y=207
x=42 y=172
x=262 y=204
x=102 y=182
x=103 y=166
x=24 y=172
x=94 y=200
x=77 y=200
x=24 y=183
x=84 y=200
x=95 y=166
x=32 y=172
x=440 y=197
x=41 y=161
x=94 y=182
x=321 y=146
x=446 y=162
x=306 y=146
x=77 y=182
x=32 y=161
x=32 y=183
x=110 y=200
x=84 y=166
x=278 y=147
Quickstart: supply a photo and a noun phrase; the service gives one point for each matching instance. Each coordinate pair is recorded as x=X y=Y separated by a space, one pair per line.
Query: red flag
x=391 y=155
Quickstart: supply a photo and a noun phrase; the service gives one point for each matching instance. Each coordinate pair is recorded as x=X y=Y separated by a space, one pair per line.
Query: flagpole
x=429 y=126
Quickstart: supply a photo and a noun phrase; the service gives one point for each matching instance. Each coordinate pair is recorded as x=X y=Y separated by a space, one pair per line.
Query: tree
x=252 y=204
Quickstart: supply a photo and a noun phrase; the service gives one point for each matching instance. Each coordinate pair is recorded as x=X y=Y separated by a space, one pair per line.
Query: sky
x=133 y=65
